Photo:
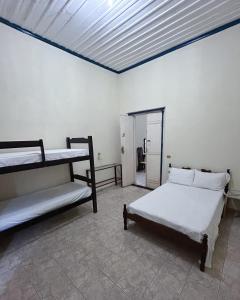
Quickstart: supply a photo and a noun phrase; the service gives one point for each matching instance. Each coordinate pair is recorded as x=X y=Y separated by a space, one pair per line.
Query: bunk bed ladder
x=73 y=176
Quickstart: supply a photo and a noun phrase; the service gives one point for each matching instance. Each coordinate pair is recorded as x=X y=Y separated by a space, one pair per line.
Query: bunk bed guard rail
x=24 y=144
x=44 y=160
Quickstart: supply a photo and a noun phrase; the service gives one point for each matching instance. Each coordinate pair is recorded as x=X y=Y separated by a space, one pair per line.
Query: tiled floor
x=81 y=255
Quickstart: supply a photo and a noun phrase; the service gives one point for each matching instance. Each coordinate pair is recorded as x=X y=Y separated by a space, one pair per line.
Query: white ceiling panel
x=119 y=34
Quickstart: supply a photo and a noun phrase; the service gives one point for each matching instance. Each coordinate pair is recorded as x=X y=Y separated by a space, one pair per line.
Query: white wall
x=47 y=93
x=50 y=94
x=200 y=87
x=140 y=129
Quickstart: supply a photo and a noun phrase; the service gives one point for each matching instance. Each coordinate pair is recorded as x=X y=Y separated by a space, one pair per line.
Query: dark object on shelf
x=115 y=179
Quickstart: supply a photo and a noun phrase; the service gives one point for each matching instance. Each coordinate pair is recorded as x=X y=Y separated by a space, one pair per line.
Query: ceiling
x=118 y=34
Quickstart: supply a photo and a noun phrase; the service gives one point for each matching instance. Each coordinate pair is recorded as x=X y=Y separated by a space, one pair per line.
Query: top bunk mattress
x=29 y=157
x=190 y=210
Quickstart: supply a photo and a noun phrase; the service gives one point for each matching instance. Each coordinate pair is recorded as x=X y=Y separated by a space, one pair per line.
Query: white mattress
x=22 y=158
x=21 y=209
x=190 y=210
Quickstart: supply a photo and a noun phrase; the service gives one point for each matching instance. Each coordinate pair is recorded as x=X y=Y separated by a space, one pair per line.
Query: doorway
x=142 y=147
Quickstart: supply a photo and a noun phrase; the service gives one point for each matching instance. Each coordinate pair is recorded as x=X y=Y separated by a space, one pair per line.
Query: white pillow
x=181 y=176
x=211 y=181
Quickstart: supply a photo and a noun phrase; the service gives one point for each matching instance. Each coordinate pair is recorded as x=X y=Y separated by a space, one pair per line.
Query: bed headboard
x=24 y=144
x=207 y=171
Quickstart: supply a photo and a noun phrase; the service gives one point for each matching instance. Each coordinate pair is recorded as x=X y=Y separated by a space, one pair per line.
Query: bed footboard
x=200 y=247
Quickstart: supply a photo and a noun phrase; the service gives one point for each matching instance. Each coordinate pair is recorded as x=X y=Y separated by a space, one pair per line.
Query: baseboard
x=143 y=187
x=234 y=204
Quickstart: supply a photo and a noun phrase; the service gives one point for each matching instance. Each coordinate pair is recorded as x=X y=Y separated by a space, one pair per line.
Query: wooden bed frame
x=201 y=247
x=48 y=163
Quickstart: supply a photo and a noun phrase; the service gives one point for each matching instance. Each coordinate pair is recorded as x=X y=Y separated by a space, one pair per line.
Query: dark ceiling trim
x=201 y=36
x=147 y=111
x=39 y=37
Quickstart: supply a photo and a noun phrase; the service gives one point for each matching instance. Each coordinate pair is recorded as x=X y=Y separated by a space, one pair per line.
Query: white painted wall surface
x=47 y=93
x=200 y=87
x=50 y=94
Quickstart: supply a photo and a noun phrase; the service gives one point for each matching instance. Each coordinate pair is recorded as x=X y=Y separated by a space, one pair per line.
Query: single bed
x=189 y=212
x=30 y=157
x=25 y=208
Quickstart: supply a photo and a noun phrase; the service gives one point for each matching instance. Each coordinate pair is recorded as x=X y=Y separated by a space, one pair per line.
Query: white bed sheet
x=190 y=210
x=21 y=209
x=28 y=157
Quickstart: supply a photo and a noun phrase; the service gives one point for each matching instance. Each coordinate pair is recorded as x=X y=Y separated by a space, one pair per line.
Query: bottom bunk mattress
x=24 y=208
x=190 y=210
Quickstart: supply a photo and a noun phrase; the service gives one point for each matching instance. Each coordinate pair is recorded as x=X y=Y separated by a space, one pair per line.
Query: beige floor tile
x=81 y=255
x=26 y=292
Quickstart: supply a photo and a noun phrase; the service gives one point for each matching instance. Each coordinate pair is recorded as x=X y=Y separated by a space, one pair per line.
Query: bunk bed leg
x=42 y=150
x=92 y=168
x=226 y=197
x=70 y=164
x=125 y=217
x=71 y=172
x=204 y=245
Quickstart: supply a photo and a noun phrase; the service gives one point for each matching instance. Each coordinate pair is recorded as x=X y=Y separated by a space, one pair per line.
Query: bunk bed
x=20 y=210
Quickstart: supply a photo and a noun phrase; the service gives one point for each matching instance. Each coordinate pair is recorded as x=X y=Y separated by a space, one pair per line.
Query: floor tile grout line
x=39 y=295
x=101 y=271
x=185 y=283
x=65 y=275
x=115 y=283
x=120 y=285
x=97 y=267
x=222 y=270
x=47 y=233
x=98 y=263
x=153 y=278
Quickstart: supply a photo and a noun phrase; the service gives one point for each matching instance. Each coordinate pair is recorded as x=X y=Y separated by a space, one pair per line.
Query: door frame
x=148 y=111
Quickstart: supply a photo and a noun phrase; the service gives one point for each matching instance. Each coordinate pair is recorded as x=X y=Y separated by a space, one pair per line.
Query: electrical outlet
x=99 y=156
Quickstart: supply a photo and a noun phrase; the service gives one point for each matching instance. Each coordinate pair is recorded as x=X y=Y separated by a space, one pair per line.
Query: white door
x=127 y=149
x=153 y=156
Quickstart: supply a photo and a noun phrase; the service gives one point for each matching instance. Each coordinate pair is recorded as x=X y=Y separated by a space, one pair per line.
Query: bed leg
x=70 y=164
x=94 y=200
x=92 y=169
x=125 y=217
x=204 y=251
